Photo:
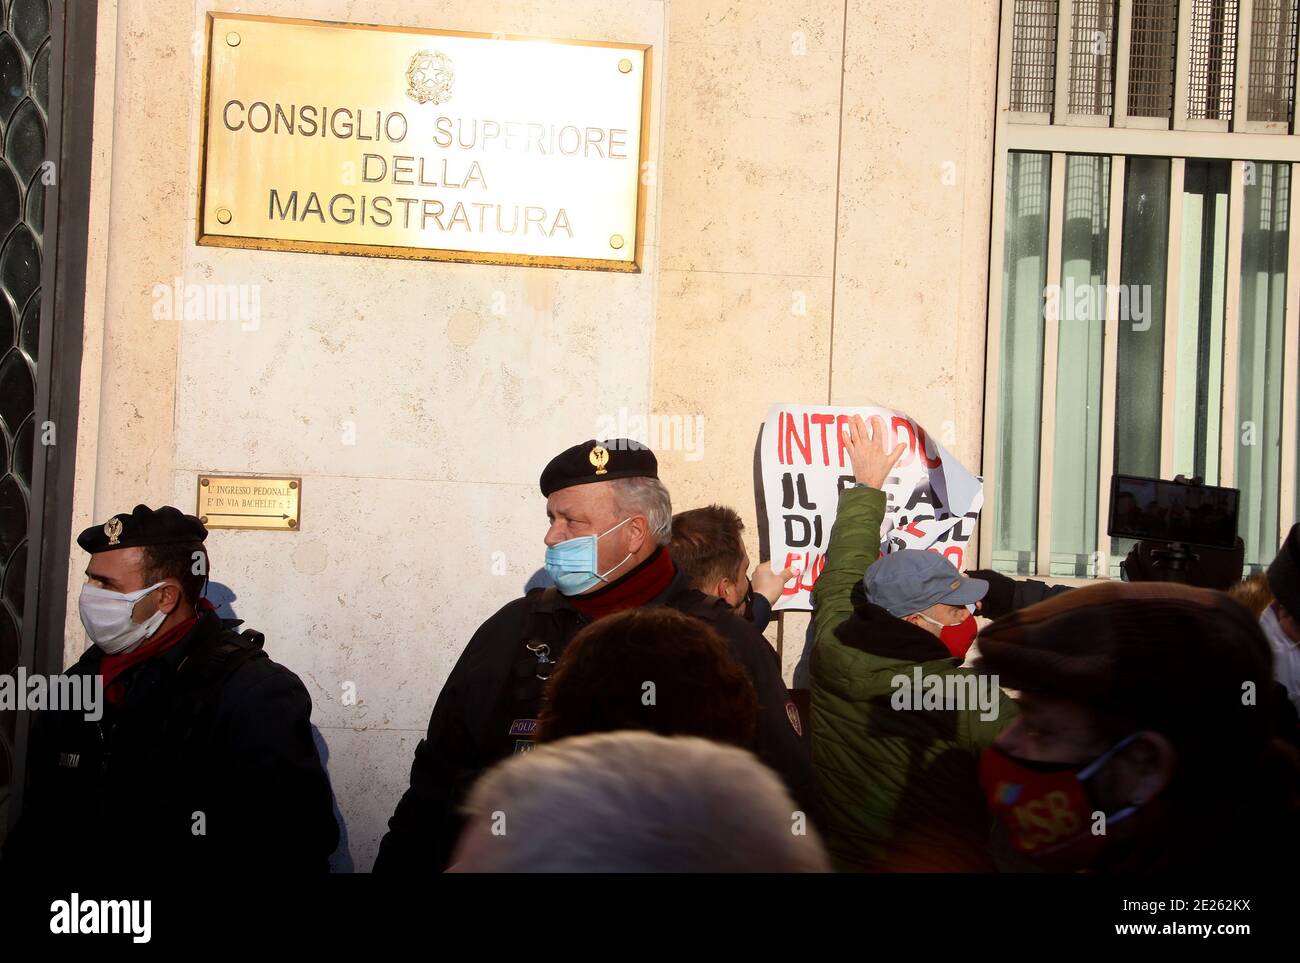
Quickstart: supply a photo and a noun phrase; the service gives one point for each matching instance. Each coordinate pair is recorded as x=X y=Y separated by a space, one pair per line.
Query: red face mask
x=957 y=638
x=1046 y=808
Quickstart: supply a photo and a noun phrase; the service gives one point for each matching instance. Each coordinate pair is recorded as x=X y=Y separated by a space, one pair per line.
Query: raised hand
x=866 y=446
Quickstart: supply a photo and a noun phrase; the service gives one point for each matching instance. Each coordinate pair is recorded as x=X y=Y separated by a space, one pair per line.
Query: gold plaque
x=240 y=501
x=395 y=142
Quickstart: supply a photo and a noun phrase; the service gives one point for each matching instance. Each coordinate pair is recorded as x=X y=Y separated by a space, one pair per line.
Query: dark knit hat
x=1284 y=573
x=598 y=461
x=1187 y=662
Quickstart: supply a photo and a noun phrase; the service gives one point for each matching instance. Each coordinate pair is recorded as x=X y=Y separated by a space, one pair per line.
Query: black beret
x=598 y=461
x=1284 y=573
x=144 y=526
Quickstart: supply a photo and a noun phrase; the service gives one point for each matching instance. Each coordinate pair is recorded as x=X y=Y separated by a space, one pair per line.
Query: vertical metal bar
x=982 y=537
x=1173 y=308
x=1228 y=431
x=1123 y=53
x=993 y=353
x=1295 y=78
x=1110 y=364
x=1241 y=93
x=1291 y=370
x=1063 y=21
x=1051 y=343
x=1182 y=64
x=1006 y=41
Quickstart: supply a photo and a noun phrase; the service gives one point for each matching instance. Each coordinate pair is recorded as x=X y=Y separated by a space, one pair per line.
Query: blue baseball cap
x=911 y=580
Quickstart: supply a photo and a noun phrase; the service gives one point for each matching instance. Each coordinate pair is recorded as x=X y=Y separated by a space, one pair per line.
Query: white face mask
x=1286 y=654
x=107 y=617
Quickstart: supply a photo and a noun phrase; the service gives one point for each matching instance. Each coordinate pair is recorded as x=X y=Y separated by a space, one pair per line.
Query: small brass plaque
x=240 y=501
x=396 y=142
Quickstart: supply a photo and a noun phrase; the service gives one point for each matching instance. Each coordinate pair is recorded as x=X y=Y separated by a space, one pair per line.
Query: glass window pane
x=1266 y=205
x=1198 y=379
x=1024 y=279
x=1139 y=373
x=1080 y=332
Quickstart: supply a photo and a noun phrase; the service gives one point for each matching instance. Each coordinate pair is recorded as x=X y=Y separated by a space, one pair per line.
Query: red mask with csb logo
x=1046 y=808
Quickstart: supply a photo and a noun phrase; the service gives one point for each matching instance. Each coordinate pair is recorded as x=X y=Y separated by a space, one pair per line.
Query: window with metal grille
x=1212 y=60
x=24 y=106
x=1151 y=58
x=1092 y=59
x=1141 y=305
x=1033 y=56
x=1272 y=60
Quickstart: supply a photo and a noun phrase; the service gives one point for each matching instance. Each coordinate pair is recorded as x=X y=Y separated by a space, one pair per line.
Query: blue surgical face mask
x=572 y=563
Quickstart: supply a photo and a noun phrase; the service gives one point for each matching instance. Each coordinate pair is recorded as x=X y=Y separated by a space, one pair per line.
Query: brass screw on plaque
x=616 y=241
x=203 y=482
x=625 y=66
x=203 y=518
x=293 y=523
x=223 y=215
x=232 y=39
x=292 y=486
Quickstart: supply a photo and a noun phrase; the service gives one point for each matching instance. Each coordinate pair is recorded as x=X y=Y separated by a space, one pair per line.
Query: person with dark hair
x=653 y=669
x=1146 y=737
x=198 y=757
x=185 y=562
x=707 y=545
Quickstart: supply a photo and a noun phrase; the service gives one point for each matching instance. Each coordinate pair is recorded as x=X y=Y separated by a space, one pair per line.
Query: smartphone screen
x=1168 y=511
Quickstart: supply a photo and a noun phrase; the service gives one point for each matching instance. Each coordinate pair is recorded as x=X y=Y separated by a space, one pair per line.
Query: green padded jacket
x=898 y=772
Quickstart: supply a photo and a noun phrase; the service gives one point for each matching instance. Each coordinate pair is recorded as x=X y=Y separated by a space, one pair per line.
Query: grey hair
x=648 y=497
x=635 y=802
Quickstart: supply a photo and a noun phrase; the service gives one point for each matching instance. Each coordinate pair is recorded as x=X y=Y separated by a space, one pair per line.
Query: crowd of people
x=627 y=714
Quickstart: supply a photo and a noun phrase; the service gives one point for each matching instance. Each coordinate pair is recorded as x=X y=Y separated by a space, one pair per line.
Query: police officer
x=610 y=520
x=199 y=756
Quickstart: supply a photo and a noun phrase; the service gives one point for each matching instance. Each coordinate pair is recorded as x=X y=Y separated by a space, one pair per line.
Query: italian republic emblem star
x=429 y=77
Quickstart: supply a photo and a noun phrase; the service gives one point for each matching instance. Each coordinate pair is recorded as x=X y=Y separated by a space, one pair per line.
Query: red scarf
x=112 y=666
x=636 y=588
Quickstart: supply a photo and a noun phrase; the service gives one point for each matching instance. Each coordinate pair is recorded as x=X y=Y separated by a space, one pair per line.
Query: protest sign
x=931 y=501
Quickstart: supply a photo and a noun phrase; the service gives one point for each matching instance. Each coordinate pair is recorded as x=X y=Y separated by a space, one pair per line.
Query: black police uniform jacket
x=207 y=765
x=484 y=714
